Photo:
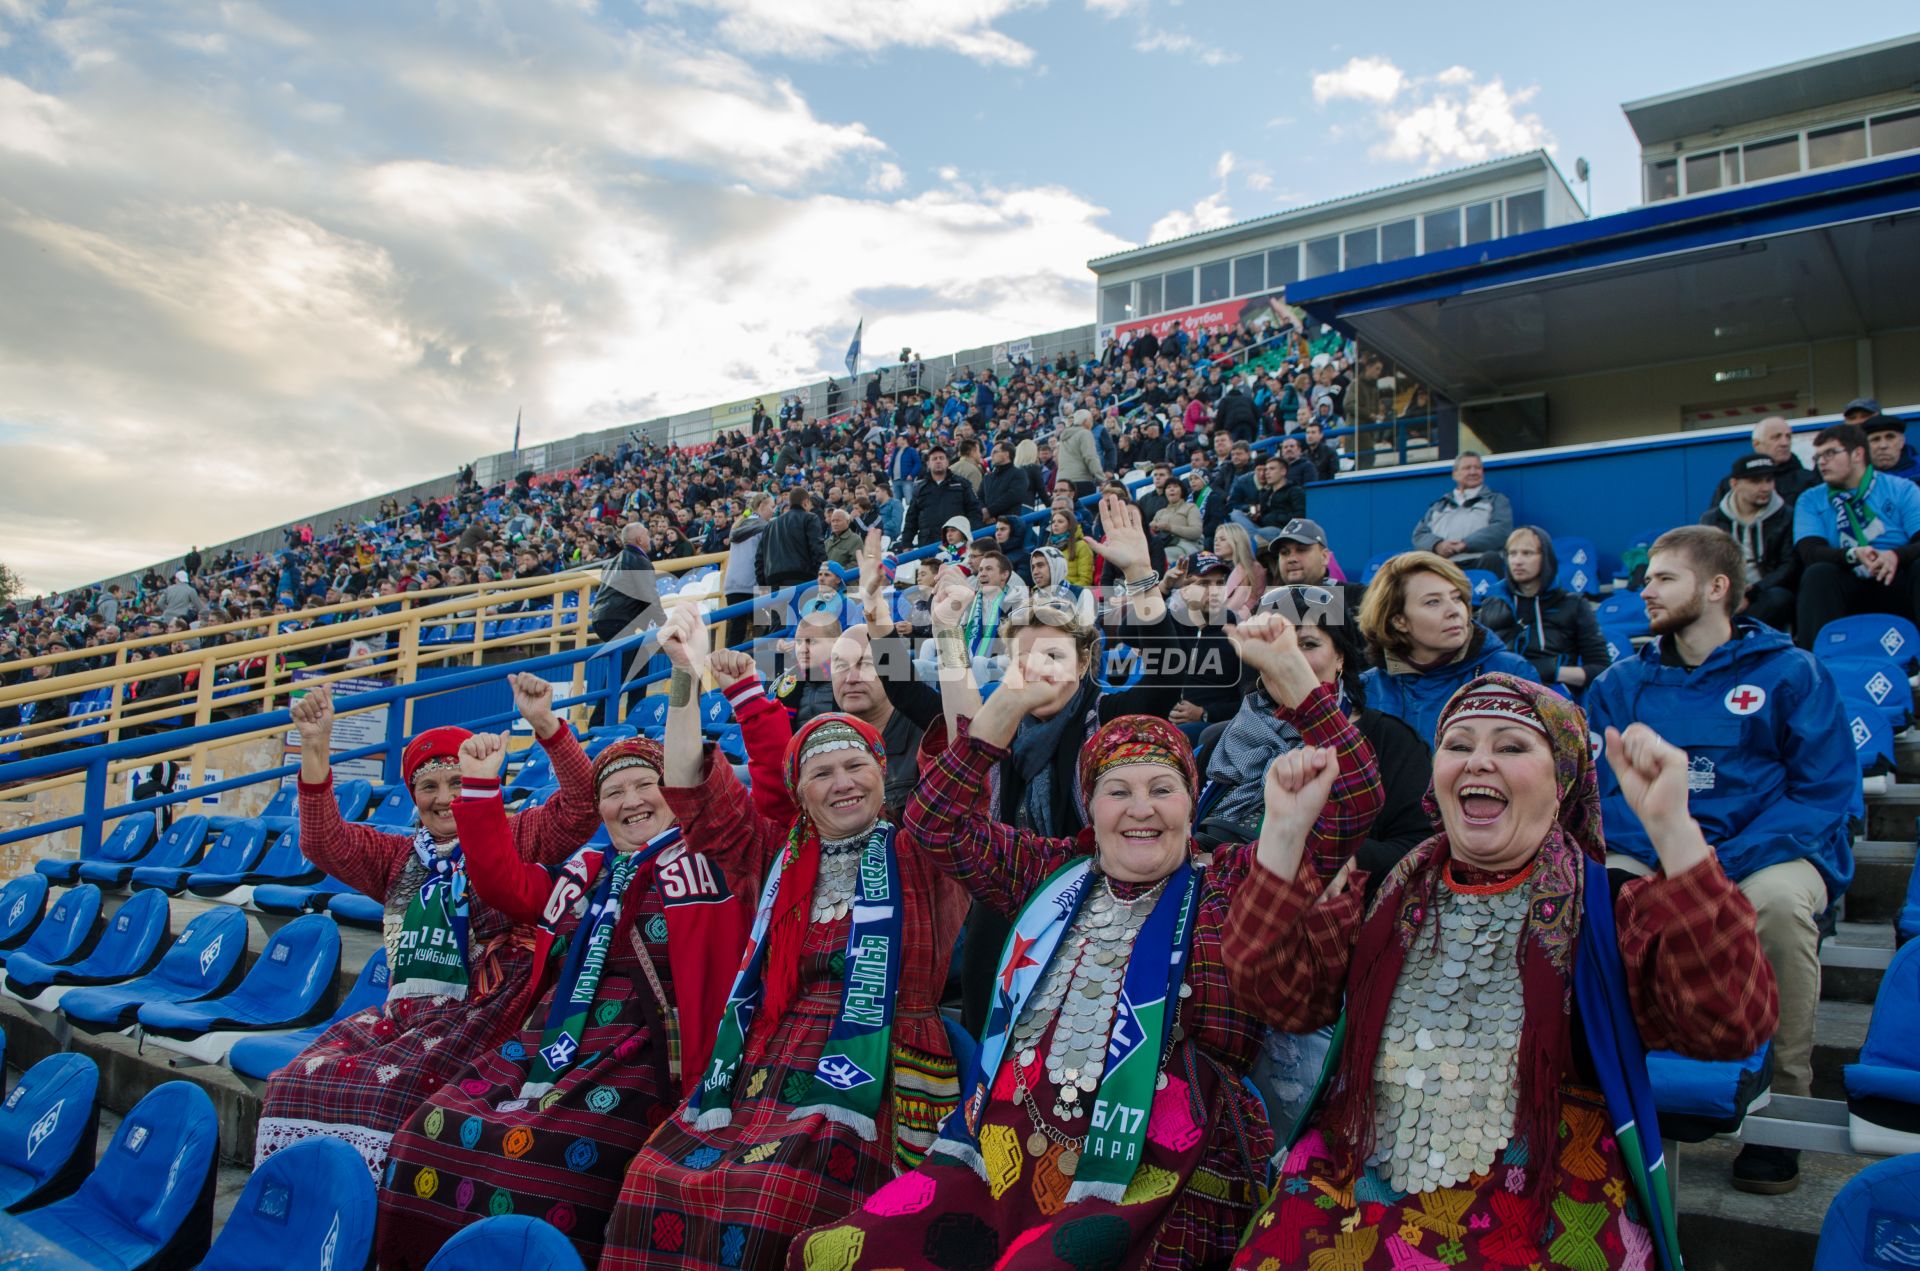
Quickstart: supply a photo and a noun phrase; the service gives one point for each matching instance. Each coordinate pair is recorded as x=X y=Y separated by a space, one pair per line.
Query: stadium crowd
x=1301 y=796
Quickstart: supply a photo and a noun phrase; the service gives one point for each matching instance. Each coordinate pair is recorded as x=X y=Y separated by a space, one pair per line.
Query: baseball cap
x=1883 y=423
x=1861 y=403
x=1752 y=468
x=1200 y=564
x=1301 y=530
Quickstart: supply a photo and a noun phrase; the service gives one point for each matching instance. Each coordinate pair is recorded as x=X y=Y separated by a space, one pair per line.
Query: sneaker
x=1766 y=1171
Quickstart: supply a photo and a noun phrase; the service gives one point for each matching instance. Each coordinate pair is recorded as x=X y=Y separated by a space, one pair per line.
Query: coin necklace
x=838 y=879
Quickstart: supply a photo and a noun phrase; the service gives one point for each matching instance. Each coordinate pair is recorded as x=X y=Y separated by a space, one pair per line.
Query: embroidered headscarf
x=628 y=752
x=1402 y=910
x=1138 y=739
x=435 y=748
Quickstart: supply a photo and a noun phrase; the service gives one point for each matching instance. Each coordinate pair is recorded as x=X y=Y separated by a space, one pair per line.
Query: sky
x=261 y=260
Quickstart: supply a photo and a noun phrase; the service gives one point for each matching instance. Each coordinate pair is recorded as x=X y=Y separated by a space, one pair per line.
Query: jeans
x=1262 y=535
x=1829 y=591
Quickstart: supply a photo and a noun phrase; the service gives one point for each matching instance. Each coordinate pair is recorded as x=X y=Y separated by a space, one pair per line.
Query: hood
x=1549 y=563
x=960 y=523
x=1056 y=564
x=1729 y=508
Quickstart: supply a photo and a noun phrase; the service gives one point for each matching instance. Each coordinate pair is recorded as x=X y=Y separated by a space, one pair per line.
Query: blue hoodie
x=1417 y=698
x=1772 y=774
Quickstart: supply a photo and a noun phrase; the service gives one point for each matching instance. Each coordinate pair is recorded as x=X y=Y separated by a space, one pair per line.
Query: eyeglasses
x=1831 y=452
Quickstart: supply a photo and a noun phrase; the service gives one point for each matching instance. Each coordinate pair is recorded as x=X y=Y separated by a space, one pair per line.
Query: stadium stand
x=130 y=840
x=207 y=960
x=69 y=930
x=132 y=944
x=290 y=985
x=263 y=1055
x=23 y=903
x=48 y=1126
x=178 y=848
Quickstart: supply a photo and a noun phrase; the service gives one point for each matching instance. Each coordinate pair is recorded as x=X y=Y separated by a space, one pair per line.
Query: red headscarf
x=626 y=753
x=1137 y=739
x=436 y=745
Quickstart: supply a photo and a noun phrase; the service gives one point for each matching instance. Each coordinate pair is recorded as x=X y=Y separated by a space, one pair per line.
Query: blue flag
x=853 y=350
x=514 y=464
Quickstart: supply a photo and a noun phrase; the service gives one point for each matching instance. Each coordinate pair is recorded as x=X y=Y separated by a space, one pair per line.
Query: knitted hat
x=435 y=748
x=629 y=752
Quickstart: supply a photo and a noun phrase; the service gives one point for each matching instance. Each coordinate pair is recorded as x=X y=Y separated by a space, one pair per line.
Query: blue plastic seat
x=649 y=715
x=1874 y=1223
x=715 y=714
x=1877 y=680
x=280 y=863
x=49 y=1125
x=732 y=744
x=67 y=932
x=308 y=1205
x=294 y=899
x=508 y=1240
x=357 y=910
x=1872 y=739
x=1619 y=643
x=1579 y=564
x=1698 y=1098
x=1624 y=610
x=1883 y=1088
x=281 y=811
x=149 y=1202
x=538 y=772
x=290 y=985
x=23 y=903
x=1374 y=562
x=1879 y=634
x=131 y=837
x=394 y=808
x=205 y=960
x=1907 y=925
x=178 y=848
x=132 y=945
x=354 y=797
x=234 y=852
x=263 y=1056
x=1483 y=583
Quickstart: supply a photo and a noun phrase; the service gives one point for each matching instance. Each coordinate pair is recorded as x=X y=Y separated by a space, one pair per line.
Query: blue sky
x=280 y=256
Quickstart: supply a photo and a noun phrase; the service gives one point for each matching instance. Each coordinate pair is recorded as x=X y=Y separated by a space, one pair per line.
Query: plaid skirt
x=477 y=1149
x=734 y=1198
x=367 y=1074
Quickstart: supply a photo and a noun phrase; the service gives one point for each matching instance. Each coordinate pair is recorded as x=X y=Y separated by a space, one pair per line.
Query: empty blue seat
x=1624 y=610
x=280 y=863
x=131 y=837
x=23 y=903
x=508 y=1240
x=1876 y=680
x=354 y=797
x=178 y=848
x=308 y=1207
x=732 y=744
x=715 y=714
x=394 y=808
x=1879 y=634
x=263 y=1056
x=1619 y=643
x=1579 y=564
x=132 y=944
x=281 y=811
x=234 y=852
x=294 y=899
x=67 y=932
x=205 y=960
x=538 y=772
x=1883 y=1089
x=48 y=1128
x=1875 y=1220
x=1907 y=925
x=291 y=984
x=649 y=715
x=356 y=910
x=1484 y=584
x=1698 y=1098
x=1872 y=739
x=149 y=1202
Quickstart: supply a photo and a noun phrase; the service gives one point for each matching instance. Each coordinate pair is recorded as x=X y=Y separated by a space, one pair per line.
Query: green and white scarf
x=430 y=956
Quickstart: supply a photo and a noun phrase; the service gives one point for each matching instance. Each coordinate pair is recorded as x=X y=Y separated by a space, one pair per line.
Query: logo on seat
x=1861 y=733
x=210 y=954
x=1878 y=687
x=1892 y=641
x=43 y=1127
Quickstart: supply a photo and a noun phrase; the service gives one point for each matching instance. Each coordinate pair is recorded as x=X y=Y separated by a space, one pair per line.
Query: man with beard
x=1299 y=557
x=1762 y=523
x=1771 y=779
x=857 y=690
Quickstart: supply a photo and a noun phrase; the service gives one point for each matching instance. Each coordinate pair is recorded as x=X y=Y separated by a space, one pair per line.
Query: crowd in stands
x=1139 y=783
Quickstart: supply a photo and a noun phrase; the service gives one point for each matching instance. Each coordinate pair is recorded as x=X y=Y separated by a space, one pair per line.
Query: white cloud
x=1373 y=79
x=1115 y=8
x=33 y=123
x=1448 y=118
x=820 y=28
x=886 y=178
x=1177 y=42
x=1211 y=212
x=1259 y=181
x=1223 y=166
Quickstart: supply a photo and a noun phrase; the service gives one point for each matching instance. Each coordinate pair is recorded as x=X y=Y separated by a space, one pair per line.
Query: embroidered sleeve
x=719 y=818
x=362 y=857
x=949 y=818
x=1696 y=976
x=765 y=727
x=550 y=833
x=517 y=888
x=1288 y=944
x=1357 y=795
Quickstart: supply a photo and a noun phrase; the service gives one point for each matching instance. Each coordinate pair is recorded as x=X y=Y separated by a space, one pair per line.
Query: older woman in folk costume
x=1106 y=1123
x=460 y=974
x=831 y=1068
x=637 y=943
x=1489 y=1105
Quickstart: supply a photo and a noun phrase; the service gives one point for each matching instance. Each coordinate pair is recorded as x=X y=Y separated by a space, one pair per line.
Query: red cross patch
x=1745 y=699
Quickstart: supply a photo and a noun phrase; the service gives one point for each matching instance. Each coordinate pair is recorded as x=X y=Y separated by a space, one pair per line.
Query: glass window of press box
x=1767 y=158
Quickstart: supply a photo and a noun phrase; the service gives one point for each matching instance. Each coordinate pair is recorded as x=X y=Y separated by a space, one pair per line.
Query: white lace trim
x=276 y=1133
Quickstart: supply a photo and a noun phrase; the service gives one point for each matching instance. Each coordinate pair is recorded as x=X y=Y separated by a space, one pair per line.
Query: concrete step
x=1839 y=1029
x=1726 y=1230
x=1894 y=813
x=1853 y=960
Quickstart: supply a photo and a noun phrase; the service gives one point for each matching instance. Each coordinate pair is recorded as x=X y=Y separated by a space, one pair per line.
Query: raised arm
x=517 y=888
x=360 y=856
x=959 y=695
x=553 y=831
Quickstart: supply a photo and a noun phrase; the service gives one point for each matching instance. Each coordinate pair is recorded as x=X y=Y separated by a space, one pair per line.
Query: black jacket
x=1772 y=534
x=1551 y=629
x=1005 y=491
x=1237 y=414
x=628 y=594
x=791 y=549
x=1406 y=770
x=934 y=504
x=1280 y=504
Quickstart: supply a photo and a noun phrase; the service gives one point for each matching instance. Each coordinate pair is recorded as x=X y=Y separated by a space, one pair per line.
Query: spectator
x=827 y=599
x=858 y=691
x=1178 y=525
x=1424 y=641
x=1887 y=444
x=791 y=549
x=938 y=498
x=1007 y=489
x=843 y=541
x=1325 y=457
x=192 y=562
x=1299 y=556
x=1010 y=539
x=1065 y=537
x=1762 y=523
x=967 y=466
x=1047 y=572
x=1551 y=628
x=1154 y=497
x=1773 y=437
x=1275 y=501
x=1859 y=410
x=1771 y=777
x=1858 y=534
x=1469 y=523
x=805 y=688
x=1235 y=415
x=108 y=606
x=992 y=598
x=1301 y=471
x=1079 y=455
x=903 y=467
x=181 y=600
x=887 y=515
x=1247 y=581
x=1026 y=457
x=1209 y=681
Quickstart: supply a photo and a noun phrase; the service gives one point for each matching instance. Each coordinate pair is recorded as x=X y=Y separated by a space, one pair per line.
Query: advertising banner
x=1259 y=311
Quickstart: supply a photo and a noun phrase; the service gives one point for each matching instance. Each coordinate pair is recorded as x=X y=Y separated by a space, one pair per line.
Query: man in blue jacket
x=1772 y=778
x=1858 y=533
